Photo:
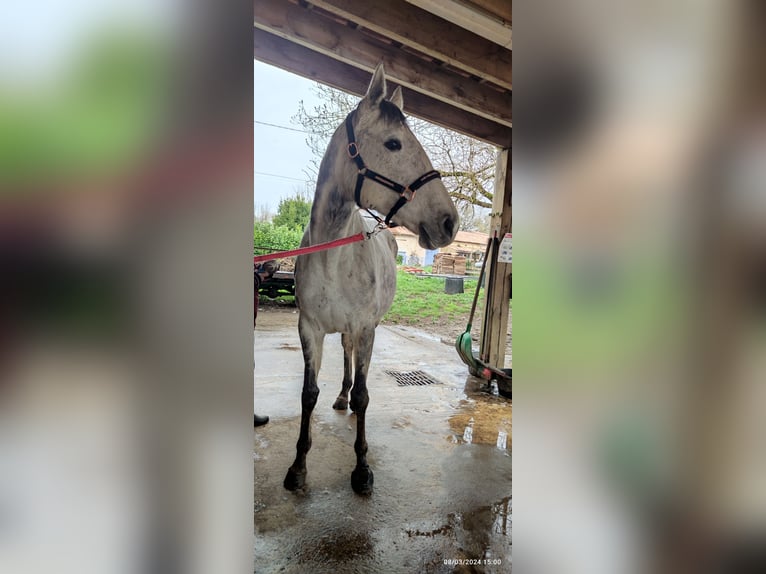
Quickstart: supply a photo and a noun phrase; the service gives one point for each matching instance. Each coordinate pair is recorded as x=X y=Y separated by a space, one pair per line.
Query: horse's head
x=389 y=148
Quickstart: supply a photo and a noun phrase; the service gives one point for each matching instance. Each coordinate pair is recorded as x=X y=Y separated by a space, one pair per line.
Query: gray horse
x=348 y=289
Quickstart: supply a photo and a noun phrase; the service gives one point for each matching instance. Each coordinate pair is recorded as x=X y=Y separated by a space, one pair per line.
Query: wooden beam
x=494 y=329
x=501 y=9
x=465 y=16
x=301 y=26
x=315 y=66
x=429 y=34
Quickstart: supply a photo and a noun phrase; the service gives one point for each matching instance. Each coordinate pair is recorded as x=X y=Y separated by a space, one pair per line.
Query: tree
x=293 y=212
x=285 y=230
x=263 y=213
x=466 y=164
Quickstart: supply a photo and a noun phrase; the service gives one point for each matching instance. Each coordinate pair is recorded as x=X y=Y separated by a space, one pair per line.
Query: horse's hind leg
x=361 y=477
x=311 y=341
x=341 y=403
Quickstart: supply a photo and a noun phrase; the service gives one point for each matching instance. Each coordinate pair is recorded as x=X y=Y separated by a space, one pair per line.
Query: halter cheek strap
x=406 y=192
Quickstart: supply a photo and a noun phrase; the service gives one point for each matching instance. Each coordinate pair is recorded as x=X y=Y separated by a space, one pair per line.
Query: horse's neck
x=334 y=213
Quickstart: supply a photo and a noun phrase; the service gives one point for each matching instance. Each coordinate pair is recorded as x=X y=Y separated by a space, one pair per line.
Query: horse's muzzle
x=438 y=236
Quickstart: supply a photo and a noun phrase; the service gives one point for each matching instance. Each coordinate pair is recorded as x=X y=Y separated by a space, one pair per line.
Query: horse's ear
x=397 y=99
x=377 y=90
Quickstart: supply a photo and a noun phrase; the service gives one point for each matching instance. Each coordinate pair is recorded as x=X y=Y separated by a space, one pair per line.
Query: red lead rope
x=312 y=248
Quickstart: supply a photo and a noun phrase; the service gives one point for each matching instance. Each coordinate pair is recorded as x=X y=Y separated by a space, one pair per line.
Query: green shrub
x=269 y=237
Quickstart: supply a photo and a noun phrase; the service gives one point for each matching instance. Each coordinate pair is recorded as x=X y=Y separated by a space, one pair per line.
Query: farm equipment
x=281 y=283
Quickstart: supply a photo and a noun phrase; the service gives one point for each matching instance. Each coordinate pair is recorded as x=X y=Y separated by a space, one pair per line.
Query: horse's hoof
x=294 y=480
x=361 y=481
x=340 y=404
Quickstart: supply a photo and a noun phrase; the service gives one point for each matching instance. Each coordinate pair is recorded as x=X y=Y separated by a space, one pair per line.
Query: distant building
x=470 y=244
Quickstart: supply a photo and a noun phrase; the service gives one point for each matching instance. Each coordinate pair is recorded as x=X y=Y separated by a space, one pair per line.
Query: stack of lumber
x=445 y=264
x=287 y=264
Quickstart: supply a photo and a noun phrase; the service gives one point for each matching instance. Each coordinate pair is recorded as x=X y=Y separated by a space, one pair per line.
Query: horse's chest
x=343 y=296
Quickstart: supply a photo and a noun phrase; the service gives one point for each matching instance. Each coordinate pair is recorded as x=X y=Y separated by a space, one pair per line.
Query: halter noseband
x=406 y=192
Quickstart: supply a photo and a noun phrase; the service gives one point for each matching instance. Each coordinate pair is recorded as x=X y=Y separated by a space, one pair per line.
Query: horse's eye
x=393 y=144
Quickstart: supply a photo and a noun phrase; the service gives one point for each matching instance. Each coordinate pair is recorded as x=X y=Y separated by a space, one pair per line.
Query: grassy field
x=422 y=301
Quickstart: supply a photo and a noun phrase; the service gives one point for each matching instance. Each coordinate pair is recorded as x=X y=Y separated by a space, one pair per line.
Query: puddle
x=502 y=511
x=433 y=500
x=482 y=421
x=480 y=534
x=468 y=432
x=502 y=440
x=445 y=529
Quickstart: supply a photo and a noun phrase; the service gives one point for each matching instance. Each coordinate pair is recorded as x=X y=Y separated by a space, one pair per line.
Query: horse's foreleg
x=361 y=477
x=312 y=340
x=341 y=403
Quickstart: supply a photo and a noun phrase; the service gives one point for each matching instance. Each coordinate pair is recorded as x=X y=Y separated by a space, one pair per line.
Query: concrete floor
x=441 y=455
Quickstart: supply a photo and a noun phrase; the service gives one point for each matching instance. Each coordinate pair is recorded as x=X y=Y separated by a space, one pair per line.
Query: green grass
x=422 y=300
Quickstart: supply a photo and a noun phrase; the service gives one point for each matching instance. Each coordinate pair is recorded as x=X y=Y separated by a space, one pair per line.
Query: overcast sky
x=281 y=155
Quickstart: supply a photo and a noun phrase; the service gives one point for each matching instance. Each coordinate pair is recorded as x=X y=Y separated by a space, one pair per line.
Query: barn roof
x=476 y=237
x=452 y=58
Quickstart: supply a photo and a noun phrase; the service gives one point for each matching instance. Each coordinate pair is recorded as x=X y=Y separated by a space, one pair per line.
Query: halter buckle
x=408 y=193
x=379 y=226
x=353 y=150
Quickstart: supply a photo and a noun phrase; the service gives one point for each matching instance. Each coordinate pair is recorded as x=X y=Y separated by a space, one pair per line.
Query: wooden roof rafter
x=449 y=75
x=305 y=62
x=424 y=32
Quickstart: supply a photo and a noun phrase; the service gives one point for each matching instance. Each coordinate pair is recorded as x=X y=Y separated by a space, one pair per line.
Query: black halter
x=407 y=192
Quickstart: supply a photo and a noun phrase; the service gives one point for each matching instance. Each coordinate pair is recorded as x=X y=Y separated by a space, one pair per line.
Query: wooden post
x=495 y=327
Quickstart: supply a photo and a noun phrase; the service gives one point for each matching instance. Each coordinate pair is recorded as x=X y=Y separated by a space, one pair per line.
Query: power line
x=281 y=127
x=281 y=176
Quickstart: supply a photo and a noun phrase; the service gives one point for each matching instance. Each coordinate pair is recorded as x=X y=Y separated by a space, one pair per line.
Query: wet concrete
x=441 y=455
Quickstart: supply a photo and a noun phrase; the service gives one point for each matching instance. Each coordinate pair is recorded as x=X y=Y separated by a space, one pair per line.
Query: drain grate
x=412 y=378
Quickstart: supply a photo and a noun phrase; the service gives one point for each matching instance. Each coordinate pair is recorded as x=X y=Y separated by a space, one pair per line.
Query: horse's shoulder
x=388 y=237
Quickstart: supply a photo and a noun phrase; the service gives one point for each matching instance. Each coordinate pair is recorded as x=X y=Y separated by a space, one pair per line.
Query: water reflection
x=502 y=439
x=501 y=513
x=468 y=432
x=482 y=420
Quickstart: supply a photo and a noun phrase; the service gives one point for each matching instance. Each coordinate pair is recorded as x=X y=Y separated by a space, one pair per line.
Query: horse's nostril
x=449 y=225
